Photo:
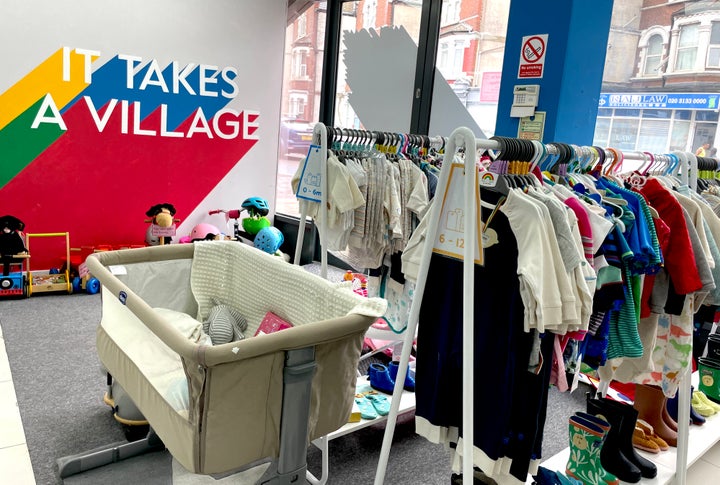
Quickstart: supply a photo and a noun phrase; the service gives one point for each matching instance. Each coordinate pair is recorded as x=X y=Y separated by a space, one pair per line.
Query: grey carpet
x=50 y=341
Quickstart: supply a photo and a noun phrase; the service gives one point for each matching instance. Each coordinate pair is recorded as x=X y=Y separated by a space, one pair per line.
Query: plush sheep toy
x=161 y=215
x=11 y=241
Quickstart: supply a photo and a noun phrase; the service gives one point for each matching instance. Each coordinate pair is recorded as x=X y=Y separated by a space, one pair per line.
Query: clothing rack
x=460 y=138
x=320 y=138
x=464 y=138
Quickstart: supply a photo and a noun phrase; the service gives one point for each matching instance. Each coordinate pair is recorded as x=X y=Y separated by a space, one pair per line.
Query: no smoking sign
x=532 y=56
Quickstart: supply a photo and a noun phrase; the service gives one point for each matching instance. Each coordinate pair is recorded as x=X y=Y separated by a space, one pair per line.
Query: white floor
x=15 y=460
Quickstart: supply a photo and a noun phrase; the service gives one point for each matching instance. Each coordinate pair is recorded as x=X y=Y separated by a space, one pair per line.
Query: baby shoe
x=650 y=434
x=701 y=407
x=409 y=384
x=380 y=378
x=367 y=410
x=700 y=396
x=641 y=441
x=379 y=402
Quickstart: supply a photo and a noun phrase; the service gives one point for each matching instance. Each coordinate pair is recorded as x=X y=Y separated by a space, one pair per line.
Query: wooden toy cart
x=51 y=280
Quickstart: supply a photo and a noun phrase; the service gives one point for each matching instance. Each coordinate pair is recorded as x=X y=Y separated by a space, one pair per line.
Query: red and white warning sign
x=532 y=56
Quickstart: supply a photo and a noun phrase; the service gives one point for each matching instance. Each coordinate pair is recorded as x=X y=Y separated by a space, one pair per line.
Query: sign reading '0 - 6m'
x=532 y=56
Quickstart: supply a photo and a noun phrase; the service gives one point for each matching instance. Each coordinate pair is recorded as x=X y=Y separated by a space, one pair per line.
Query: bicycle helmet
x=269 y=239
x=256 y=206
x=204 y=232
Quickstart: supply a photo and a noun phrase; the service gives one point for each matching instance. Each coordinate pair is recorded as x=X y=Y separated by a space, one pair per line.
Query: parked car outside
x=295 y=137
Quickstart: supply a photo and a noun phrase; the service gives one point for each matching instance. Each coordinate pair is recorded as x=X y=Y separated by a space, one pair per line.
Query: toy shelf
x=701 y=439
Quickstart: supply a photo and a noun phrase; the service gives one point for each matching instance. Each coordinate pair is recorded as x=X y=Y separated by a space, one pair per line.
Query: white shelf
x=701 y=439
x=558 y=463
x=407 y=404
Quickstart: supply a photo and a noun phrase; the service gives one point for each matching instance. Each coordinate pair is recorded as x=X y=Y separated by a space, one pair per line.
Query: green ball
x=253 y=225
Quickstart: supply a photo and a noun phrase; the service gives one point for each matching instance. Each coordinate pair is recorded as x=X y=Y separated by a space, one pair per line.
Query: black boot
x=613 y=454
x=630 y=416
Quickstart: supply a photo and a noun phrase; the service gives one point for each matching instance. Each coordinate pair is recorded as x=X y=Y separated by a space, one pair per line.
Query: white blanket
x=255 y=282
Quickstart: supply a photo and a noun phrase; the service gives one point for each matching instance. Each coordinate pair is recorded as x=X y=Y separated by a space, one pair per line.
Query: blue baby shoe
x=380 y=379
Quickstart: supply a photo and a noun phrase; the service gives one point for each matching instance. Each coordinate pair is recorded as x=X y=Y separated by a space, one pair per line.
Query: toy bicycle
x=257 y=227
x=257 y=208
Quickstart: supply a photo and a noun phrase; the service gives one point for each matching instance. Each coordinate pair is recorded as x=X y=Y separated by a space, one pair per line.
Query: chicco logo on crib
x=130 y=95
x=122 y=296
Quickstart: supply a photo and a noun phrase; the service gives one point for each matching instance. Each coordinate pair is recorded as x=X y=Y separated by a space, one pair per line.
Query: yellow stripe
x=45 y=78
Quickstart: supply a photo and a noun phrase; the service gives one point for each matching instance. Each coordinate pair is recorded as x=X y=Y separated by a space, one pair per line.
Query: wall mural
x=91 y=138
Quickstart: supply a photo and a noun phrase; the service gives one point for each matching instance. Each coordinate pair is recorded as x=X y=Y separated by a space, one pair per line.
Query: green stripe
x=20 y=144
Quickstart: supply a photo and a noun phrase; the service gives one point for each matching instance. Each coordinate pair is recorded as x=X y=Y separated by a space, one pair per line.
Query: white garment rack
x=461 y=137
x=464 y=137
x=320 y=139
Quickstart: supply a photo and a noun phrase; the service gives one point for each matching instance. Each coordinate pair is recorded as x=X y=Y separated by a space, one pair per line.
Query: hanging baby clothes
x=501 y=347
x=668 y=357
x=343 y=198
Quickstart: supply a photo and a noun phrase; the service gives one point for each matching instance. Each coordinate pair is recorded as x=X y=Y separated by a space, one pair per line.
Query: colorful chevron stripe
x=19 y=105
x=137 y=133
x=45 y=78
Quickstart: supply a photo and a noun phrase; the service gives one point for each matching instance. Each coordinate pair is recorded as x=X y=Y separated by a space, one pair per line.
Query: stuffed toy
x=224 y=324
x=162 y=216
x=11 y=241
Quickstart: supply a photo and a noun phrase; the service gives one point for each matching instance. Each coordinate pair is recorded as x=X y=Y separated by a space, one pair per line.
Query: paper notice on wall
x=450 y=237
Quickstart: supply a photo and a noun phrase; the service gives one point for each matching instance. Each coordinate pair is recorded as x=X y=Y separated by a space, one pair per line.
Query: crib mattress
x=230 y=416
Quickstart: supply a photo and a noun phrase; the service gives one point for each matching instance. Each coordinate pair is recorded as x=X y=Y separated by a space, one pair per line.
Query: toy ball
x=253 y=225
x=204 y=232
x=269 y=239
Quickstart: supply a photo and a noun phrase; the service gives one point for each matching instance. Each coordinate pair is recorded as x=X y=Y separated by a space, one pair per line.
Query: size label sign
x=450 y=237
x=310 y=186
x=532 y=56
x=160 y=231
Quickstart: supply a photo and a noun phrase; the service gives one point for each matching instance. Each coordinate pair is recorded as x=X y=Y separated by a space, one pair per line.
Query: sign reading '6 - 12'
x=532 y=56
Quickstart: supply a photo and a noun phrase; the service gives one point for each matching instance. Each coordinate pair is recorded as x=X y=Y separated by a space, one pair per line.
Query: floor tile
x=15 y=463
x=713 y=455
x=702 y=473
x=4 y=364
x=10 y=420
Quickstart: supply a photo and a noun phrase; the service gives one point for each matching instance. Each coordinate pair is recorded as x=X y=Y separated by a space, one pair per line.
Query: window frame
x=648 y=56
x=711 y=46
x=301 y=26
x=678 y=48
x=300 y=55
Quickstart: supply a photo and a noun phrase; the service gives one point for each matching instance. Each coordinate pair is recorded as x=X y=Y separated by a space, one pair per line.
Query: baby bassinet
x=219 y=408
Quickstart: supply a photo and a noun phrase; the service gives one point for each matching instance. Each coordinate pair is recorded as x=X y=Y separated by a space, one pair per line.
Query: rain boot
x=672 y=409
x=613 y=455
x=713 y=347
x=668 y=417
x=625 y=432
x=709 y=371
x=586 y=442
x=650 y=402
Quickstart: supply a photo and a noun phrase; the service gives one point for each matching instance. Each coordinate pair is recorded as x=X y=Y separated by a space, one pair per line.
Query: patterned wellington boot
x=586 y=440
